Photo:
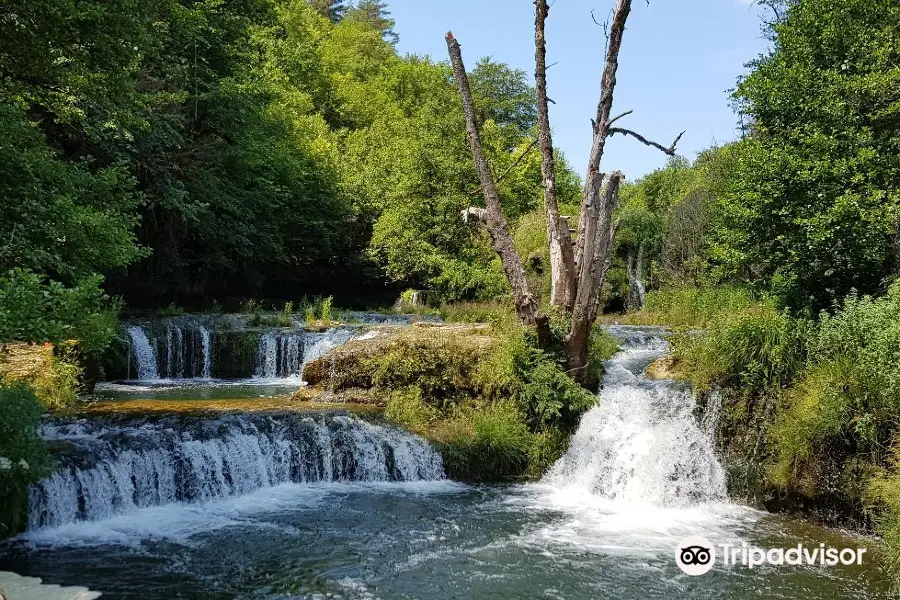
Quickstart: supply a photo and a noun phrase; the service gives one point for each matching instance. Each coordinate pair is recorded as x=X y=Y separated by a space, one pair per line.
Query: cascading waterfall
x=642 y=442
x=280 y=354
x=183 y=350
x=116 y=468
x=285 y=353
x=144 y=354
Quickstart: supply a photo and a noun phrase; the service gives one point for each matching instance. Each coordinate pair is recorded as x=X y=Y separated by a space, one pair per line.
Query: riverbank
x=807 y=408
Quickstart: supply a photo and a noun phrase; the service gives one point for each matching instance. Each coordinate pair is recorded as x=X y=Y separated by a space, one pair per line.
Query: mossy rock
x=439 y=360
x=235 y=353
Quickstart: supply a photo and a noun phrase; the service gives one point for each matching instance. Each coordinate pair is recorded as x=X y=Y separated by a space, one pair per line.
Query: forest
x=196 y=155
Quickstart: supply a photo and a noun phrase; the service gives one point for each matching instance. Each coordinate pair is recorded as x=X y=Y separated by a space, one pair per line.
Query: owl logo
x=695 y=555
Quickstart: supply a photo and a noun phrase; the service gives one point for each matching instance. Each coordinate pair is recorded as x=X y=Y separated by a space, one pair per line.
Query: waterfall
x=144 y=354
x=642 y=442
x=279 y=355
x=116 y=468
x=206 y=347
x=182 y=350
x=285 y=353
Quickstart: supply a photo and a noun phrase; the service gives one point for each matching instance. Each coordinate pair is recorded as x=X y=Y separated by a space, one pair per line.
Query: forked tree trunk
x=577 y=274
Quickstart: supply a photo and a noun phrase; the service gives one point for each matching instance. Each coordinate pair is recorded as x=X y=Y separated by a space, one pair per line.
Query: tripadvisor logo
x=696 y=555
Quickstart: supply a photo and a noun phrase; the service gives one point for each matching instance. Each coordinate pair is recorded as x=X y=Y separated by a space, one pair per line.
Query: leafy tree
x=376 y=14
x=812 y=207
x=333 y=10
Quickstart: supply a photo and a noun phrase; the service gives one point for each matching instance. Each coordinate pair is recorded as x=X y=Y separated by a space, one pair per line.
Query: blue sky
x=678 y=60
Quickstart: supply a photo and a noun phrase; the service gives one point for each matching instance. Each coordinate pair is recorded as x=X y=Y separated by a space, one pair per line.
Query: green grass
x=692 y=307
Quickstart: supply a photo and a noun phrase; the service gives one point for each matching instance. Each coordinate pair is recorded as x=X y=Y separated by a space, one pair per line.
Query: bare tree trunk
x=526 y=307
x=562 y=257
x=598 y=241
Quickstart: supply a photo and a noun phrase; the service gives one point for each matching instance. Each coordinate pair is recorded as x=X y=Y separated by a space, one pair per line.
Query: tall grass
x=692 y=306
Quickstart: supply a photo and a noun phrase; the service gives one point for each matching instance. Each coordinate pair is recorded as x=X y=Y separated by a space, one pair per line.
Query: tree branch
x=509 y=169
x=624 y=114
x=670 y=150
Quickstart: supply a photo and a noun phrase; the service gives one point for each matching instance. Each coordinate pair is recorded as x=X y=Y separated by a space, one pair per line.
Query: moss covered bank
x=496 y=406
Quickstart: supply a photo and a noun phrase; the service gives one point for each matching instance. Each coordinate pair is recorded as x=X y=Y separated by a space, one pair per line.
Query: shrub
x=758 y=348
x=407 y=408
x=497 y=448
x=24 y=459
x=33 y=309
x=285 y=319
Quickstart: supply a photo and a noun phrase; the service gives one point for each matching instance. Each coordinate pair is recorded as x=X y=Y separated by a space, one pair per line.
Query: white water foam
x=641 y=471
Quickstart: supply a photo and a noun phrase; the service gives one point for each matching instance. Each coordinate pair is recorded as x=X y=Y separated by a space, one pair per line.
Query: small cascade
x=280 y=354
x=206 y=344
x=318 y=345
x=117 y=468
x=642 y=442
x=283 y=354
x=144 y=354
x=171 y=349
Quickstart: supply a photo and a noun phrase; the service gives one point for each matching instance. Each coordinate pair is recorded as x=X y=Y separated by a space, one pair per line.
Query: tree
x=376 y=15
x=333 y=10
x=577 y=276
x=812 y=207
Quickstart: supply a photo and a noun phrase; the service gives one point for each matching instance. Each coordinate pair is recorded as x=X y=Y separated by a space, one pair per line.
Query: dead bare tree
x=494 y=221
x=577 y=274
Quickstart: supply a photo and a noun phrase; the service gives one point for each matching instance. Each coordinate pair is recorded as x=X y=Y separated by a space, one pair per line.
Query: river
x=330 y=505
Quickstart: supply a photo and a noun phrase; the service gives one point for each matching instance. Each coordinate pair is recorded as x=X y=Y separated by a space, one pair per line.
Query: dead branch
x=670 y=150
x=501 y=240
x=562 y=259
x=624 y=114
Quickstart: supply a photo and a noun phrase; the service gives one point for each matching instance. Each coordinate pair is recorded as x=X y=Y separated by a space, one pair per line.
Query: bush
x=33 y=309
x=24 y=459
x=757 y=349
x=407 y=408
x=496 y=448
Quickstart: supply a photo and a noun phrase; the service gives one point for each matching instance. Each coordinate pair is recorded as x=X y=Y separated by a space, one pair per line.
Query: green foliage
x=407 y=408
x=690 y=306
x=497 y=446
x=534 y=380
x=36 y=310
x=812 y=203
x=758 y=349
x=376 y=15
x=285 y=319
x=852 y=385
x=24 y=458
